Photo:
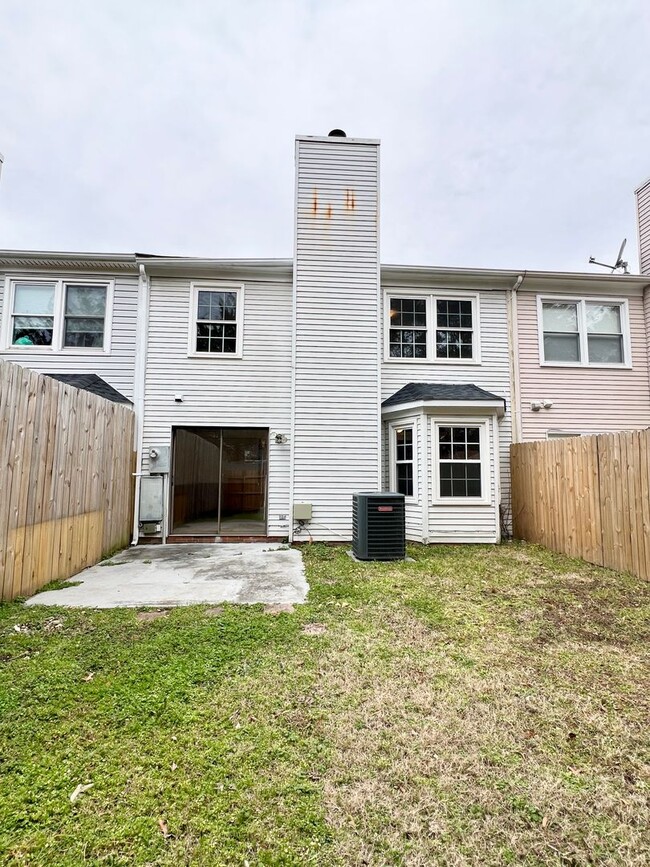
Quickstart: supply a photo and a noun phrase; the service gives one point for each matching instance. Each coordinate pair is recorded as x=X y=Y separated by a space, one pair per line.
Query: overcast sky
x=514 y=132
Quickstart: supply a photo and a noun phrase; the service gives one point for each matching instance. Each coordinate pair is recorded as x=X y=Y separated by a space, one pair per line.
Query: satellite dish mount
x=620 y=263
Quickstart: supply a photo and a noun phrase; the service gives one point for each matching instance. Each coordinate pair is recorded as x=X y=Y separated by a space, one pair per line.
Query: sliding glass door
x=219 y=481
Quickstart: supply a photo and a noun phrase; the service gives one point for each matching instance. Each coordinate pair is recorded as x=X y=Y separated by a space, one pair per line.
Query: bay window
x=404 y=460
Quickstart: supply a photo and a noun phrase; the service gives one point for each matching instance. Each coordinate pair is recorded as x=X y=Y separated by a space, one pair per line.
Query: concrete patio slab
x=163 y=576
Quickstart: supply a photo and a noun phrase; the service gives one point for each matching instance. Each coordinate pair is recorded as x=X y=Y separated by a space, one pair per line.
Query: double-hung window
x=460 y=459
x=32 y=322
x=408 y=328
x=433 y=327
x=57 y=315
x=84 y=316
x=584 y=332
x=216 y=327
x=454 y=329
x=403 y=460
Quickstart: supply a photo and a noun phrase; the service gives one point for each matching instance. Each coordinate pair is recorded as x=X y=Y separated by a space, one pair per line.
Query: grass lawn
x=481 y=705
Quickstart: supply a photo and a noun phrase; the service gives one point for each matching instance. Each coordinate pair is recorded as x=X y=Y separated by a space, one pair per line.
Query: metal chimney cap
x=337 y=132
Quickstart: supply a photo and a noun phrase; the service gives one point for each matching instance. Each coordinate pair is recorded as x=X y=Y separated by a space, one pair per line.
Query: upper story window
x=584 y=332
x=433 y=327
x=85 y=316
x=33 y=314
x=408 y=328
x=454 y=329
x=56 y=315
x=217 y=320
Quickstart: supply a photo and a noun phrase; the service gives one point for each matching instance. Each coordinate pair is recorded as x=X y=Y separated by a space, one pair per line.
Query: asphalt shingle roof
x=93 y=383
x=417 y=391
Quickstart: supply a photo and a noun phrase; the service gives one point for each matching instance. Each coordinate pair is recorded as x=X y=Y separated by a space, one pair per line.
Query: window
x=584 y=332
x=459 y=461
x=85 y=311
x=33 y=314
x=435 y=327
x=408 y=328
x=454 y=331
x=403 y=451
x=217 y=326
x=57 y=315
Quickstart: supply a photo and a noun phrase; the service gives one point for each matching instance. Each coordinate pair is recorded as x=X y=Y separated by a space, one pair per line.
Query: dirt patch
x=590 y=612
x=314 y=629
x=149 y=616
x=217 y=611
x=279 y=608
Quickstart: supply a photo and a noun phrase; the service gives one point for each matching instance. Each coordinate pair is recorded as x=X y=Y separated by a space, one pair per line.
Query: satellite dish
x=619 y=259
x=620 y=263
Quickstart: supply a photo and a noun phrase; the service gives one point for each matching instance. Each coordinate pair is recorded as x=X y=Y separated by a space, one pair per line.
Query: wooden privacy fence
x=66 y=483
x=587 y=497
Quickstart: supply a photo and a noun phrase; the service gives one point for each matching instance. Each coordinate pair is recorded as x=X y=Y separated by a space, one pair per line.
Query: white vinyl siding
x=476 y=523
x=252 y=392
x=336 y=432
x=116 y=364
x=585 y=399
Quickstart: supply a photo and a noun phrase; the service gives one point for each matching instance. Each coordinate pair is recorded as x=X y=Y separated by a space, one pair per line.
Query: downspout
x=513 y=352
x=294 y=328
x=140 y=373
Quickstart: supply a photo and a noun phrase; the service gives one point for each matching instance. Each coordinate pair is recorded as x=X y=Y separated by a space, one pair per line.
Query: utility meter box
x=159 y=459
x=151 y=499
x=302 y=511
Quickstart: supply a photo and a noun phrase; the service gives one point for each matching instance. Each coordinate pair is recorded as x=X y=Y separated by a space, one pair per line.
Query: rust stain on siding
x=328 y=212
x=314 y=202
x=350 y=201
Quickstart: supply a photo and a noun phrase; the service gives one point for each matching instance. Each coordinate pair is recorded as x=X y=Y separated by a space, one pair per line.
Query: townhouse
x=267 y=392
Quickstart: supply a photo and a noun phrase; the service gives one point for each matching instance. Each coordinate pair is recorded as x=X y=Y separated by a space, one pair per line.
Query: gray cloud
x=513 y=131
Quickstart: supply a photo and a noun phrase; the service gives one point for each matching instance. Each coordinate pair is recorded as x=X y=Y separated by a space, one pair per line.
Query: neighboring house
x=582 y=354
x=267 y=392
x=643 y=223
x=70 y=313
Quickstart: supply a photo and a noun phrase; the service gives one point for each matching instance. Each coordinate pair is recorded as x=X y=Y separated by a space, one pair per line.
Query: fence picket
x=66 y=463
x=587 y=497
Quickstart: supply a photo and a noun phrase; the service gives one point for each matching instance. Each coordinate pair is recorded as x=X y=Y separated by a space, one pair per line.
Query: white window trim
x=580 y=301
x=431 y=296
x=215 y=286
x=57 y=346
x=487 y=460
x=392 y=455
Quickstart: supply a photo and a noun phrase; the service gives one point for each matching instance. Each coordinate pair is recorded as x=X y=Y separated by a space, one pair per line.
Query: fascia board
x=338 y=139
x=488 y=406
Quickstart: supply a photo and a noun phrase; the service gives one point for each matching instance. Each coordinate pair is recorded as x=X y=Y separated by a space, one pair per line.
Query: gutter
x=139 y=386
x=513 y=352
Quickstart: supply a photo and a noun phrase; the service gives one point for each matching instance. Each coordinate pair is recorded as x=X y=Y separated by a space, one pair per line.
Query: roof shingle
x=422 y=391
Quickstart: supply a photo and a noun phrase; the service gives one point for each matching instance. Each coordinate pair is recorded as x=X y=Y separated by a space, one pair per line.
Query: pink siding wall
x=584 y=399
x=643 y=224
